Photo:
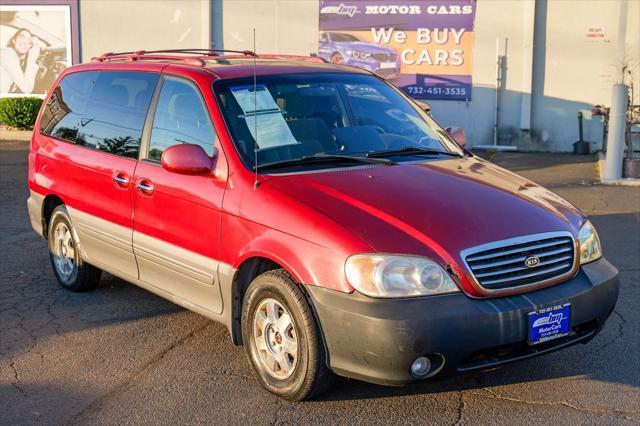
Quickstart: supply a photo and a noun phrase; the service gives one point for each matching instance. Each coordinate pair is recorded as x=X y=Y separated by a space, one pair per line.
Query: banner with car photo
x=422 y=46
x=35 y=46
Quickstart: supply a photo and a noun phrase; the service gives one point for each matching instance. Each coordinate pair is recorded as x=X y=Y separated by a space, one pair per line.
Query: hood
x=435 y=208
x=361 y=46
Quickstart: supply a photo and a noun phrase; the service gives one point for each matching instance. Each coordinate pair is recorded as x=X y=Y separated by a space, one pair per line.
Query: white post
x=617 y=114
x=615 y=139
x=497 y=110
x=528 y=24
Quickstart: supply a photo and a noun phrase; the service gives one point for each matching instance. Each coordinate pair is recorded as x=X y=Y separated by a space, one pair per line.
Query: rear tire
x=70 y=270
x=282 y=338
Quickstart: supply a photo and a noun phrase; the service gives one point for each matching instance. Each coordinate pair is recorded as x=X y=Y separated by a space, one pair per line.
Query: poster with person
x=422 y=46
x=35 y=46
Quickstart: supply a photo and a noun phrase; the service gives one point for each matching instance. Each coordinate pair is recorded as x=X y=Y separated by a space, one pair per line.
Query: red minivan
x=317 y=212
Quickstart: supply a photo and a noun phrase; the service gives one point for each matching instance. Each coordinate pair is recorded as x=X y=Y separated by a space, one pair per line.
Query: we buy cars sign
x=422 y=46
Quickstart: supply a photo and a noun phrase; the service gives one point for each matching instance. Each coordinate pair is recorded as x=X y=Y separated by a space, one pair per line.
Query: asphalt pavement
x=122 y=355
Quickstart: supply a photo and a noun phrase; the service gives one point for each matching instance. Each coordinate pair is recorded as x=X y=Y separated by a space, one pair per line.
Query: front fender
x=307 y=262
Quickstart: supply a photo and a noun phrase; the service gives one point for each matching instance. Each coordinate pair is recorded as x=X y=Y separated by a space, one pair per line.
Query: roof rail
x=153 y=55
x=176 y=55
x=205 y=52
x=292 y=57
x=136 y=56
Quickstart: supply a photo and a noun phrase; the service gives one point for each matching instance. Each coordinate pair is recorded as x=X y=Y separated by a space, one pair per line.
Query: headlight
x=589 y=243
x=397 y=276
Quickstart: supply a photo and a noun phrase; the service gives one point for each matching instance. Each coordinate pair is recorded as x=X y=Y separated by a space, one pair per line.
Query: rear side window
x=102 y=110
x=180 y=117
x=115 y=112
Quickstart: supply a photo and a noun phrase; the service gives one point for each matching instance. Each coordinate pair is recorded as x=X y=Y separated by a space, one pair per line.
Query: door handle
x=145 y=187
x=121 y=179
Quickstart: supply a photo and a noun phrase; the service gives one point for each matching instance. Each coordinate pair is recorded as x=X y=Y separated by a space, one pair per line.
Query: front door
x=177 y=217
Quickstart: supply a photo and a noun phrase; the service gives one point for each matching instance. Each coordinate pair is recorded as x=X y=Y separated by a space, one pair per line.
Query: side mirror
x=458 y=135
x=424 y=106
x=186 y=159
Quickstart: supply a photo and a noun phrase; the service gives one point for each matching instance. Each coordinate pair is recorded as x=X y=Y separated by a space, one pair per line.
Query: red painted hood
x=435 y=208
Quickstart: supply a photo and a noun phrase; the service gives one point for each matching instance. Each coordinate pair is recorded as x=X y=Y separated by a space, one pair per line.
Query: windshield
x=302 y=115
x=342 y=37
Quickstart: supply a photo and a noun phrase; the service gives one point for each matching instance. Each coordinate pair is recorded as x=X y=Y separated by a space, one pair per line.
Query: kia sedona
x=318 y=213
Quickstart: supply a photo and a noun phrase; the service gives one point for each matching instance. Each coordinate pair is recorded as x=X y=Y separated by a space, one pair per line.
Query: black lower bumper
x=376 y=340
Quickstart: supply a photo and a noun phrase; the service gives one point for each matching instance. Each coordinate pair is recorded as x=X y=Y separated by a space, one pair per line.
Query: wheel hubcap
x=275 y=338
x=64 y=253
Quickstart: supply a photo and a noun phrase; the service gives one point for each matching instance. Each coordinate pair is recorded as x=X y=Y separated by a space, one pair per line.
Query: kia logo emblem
x=532 y=261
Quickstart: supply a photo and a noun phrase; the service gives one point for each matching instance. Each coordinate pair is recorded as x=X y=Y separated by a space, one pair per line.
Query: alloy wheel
x=64 y=252
x=275 y=338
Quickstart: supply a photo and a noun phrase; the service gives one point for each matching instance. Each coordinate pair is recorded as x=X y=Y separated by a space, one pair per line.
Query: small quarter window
x=180 y=117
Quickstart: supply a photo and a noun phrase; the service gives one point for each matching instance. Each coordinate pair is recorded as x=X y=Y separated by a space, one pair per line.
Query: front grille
x=502 y=264
x=383 y=57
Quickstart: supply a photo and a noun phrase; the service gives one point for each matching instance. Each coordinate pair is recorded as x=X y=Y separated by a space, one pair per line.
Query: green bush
x=20 y=112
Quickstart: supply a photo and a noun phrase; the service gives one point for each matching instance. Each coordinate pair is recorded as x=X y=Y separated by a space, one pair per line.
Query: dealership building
x=531 y=66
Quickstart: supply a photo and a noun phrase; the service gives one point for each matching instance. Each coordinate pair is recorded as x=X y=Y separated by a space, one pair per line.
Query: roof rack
x=203 y=52
x=174 y=55
x=107 y=57
x=160 y=55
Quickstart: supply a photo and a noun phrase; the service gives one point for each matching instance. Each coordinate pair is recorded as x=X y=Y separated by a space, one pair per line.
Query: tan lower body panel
x=104 y=243
x=223 y=317
x=174 y=273
x=183 y=273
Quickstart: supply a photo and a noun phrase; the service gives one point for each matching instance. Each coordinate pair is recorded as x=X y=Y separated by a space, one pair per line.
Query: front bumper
x=376 y=340
x=34 y=206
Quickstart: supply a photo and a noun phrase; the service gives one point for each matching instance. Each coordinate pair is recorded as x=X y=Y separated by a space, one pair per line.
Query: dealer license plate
x=387 y=65
x=549 y=323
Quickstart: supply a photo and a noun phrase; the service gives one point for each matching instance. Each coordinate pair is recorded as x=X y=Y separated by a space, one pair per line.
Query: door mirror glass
x=458 y=135
x=186 y=159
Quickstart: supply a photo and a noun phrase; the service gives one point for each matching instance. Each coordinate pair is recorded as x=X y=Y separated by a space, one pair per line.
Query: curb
x=621 y=182
x=15 y=135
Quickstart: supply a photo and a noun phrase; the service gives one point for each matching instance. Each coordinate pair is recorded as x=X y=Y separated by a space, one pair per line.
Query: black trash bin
x=580 y=147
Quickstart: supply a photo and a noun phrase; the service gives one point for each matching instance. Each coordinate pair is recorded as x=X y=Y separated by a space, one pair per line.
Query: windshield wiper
x=321 y=158
x=411 y=150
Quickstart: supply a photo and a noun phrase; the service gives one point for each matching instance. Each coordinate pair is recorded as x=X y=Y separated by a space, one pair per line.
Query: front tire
x=282 y=339
x=337 y=59
x=70 y=270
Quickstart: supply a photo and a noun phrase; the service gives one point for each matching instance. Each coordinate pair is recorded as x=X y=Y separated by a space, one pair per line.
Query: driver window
x=180 y=117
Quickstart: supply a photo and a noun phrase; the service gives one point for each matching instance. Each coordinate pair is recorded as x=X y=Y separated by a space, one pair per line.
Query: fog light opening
x=421 y=366
x=427 y=366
